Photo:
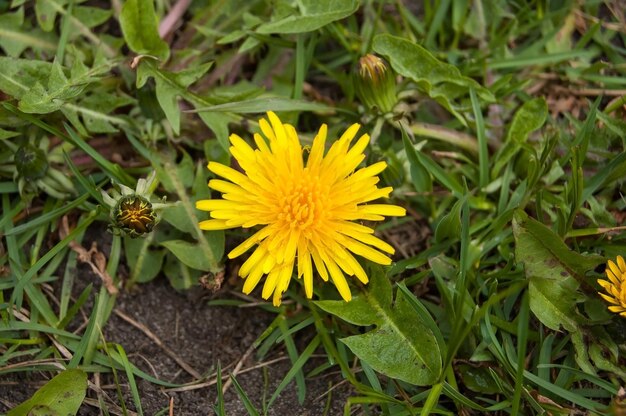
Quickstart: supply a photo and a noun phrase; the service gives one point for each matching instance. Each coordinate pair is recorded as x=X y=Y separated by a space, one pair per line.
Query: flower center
x=303 y=202
x=135 y=213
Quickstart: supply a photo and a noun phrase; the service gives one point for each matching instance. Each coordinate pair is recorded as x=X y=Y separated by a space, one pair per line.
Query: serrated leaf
x=170 y=86
x=139 y=24
x=401 y=346
x=91 y=113
x=19 y=75
x=314 y=14
x=528 y=118
x=553 y=270
x=439 y=80
x=45 y=97
x=62 y=395
x=17 y=36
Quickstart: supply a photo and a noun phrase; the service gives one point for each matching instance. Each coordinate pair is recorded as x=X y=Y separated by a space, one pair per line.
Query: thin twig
x=237 y=368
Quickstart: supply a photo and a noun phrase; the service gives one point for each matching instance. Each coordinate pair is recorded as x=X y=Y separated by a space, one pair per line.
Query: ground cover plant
x=424 y=200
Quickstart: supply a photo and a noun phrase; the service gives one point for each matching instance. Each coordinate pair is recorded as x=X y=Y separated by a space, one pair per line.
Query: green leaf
x=143 y=259
x=91 y=16
x=191 y=253
x=169 y=86
x=19 y=75
x=180 y=276
x=60 y=396
x=450 y=224
x=139 y=24
x=530 y=117
x=440 y=81
x=46 y=11
x=6 y=134
x=422 y=181
x=553 y=270
x=401 y=346
x=16 y=36
x=314 y=14
x=42 y=92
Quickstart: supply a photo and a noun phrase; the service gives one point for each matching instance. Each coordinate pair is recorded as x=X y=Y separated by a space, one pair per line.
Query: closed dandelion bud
x=134 y=215
x=31 y=162
x=375 y=83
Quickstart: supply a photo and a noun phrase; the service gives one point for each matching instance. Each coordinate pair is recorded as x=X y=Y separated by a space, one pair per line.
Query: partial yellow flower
x=306 y=210
x=615 y=287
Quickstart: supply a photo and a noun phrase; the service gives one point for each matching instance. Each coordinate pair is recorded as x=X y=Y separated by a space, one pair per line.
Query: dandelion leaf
x=553 y=271
x=170 y=86
x=62 y=395
x=401 y=345
x=313 y=15
x=441 y=81
x=139 y=24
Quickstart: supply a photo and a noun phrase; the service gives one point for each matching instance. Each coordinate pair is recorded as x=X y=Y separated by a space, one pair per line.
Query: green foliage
x=61 y=396
x=139 y=23
x=313 y=15
x=506 y=146
x=440 y=81
x=419 y=362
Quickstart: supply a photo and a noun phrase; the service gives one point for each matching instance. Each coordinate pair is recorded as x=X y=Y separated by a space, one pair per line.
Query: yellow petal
x=212 y=225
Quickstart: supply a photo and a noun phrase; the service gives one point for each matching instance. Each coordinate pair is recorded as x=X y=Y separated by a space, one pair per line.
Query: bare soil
x=201 y=336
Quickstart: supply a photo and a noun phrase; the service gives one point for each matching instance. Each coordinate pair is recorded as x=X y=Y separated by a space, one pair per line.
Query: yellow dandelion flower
x=306 y=210
x=615 y=287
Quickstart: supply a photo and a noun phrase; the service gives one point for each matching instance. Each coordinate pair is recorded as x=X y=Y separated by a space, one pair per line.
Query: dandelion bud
x=134 y=215
x=31 y=162
x=375 y=83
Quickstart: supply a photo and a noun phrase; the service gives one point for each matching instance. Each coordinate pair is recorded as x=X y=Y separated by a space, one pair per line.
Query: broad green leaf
x=91 y=16
x=143 y=259
x=92 y=112
x=46 y=11
x=179 y=275
x=46 y=96
x=401 y=346
x=313 y=15
x=191 y=254
x=554 y=272
x=17 y=36
x=442 y=82
x=530 y=117
x=61 y=396
x=139 y=24
x=19 y=75
x=169 y=86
